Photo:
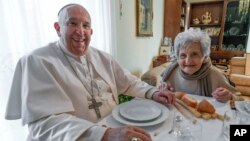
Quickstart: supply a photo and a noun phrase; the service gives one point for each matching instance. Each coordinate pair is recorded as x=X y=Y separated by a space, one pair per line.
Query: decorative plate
x=231 y=46
x=234 y=30
x=240 y=47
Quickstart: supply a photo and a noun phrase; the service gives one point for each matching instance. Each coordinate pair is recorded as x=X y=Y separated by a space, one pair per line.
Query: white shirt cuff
x=149 y=94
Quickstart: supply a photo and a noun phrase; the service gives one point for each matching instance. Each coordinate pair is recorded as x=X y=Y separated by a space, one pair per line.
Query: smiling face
x=75 y=29
x=190 y=58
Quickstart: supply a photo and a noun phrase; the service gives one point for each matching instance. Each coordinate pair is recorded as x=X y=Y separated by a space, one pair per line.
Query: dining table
x=211 y=128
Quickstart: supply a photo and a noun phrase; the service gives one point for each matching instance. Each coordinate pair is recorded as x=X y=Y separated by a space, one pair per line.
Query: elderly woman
x=192 y=71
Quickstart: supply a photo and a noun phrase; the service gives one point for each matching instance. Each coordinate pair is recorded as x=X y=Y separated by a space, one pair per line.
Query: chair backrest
x=237 y=65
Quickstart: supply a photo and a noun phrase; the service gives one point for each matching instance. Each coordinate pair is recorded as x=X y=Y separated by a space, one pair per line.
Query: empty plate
x=140 y=110
x=161 y=118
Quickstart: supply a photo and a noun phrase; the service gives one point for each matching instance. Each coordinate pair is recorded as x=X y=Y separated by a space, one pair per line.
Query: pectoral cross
x=95 y=105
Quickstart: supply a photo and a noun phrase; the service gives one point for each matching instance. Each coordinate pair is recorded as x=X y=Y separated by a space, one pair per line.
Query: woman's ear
x=57 y=28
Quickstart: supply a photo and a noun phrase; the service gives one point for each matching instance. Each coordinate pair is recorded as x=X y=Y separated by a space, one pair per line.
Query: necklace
x=95 y=105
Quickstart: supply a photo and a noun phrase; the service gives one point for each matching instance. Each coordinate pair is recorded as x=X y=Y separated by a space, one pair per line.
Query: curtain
x=28 y=24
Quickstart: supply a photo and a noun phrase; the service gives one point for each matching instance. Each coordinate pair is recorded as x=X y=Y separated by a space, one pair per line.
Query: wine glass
x=189 y=131
x=176 y=125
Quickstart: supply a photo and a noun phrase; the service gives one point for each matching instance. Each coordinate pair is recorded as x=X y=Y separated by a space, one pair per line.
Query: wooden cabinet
x=236 y=27
x=172 y=18
x=215 y=27
x=208 y=17
x=183 y=16
x=220 y=26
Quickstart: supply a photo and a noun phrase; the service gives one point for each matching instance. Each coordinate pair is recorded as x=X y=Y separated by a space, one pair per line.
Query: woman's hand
x=222 y=94
x=126 y=134
x=165 y=95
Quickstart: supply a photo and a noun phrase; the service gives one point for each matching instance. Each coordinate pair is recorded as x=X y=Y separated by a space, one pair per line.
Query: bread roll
x=179 y=95
x=188 y=100
x=205 y=106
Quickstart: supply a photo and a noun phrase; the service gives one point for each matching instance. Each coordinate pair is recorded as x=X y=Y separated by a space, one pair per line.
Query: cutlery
x=232 y=104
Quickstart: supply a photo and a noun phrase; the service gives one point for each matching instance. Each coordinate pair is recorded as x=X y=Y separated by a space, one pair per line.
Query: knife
x=232 y=104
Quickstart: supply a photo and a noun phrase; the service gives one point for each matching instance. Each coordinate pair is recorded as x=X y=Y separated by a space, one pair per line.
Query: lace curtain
x=28 y=24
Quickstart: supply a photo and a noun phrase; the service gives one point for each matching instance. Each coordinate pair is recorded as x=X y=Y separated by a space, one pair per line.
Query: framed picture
x=164 y=50
x=144 y=17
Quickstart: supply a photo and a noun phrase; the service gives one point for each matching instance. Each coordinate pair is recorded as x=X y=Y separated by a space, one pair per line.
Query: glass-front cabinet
x=226 y=21
x=235 y=35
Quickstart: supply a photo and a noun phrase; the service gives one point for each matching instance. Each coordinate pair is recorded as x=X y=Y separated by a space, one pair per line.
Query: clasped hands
x=165 y=95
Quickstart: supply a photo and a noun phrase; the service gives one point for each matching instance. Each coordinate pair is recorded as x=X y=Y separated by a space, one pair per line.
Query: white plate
x=139 y=110
x=164 y=115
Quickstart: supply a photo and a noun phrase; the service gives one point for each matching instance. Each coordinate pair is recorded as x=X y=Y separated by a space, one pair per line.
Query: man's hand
x=222 y=94
x=126 y=134
x=165 y=95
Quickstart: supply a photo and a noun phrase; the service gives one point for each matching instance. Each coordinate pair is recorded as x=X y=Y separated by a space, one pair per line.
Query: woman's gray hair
x=183 y=39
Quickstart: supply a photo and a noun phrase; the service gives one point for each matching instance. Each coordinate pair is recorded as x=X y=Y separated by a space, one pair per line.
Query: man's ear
x=57 y=28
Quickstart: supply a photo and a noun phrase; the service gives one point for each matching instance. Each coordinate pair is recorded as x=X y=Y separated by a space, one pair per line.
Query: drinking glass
x=231 y=117
x=190 y=131
x=176 y=125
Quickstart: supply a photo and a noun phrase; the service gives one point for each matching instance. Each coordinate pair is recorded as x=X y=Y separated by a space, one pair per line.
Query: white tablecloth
x=211 y=129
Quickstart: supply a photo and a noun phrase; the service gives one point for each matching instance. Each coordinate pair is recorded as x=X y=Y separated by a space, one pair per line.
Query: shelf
x=223 y=64
x=205 y=25
x=235 y=36
x=225 y=54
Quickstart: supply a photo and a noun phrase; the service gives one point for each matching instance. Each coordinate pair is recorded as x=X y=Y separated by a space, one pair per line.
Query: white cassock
x=49 y=96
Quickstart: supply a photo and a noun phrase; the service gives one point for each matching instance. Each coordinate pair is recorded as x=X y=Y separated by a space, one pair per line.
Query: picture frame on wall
x=164 y=50
x=144 y=17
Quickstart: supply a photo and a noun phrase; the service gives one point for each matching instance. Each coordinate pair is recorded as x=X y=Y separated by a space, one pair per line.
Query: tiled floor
x=9 y=130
